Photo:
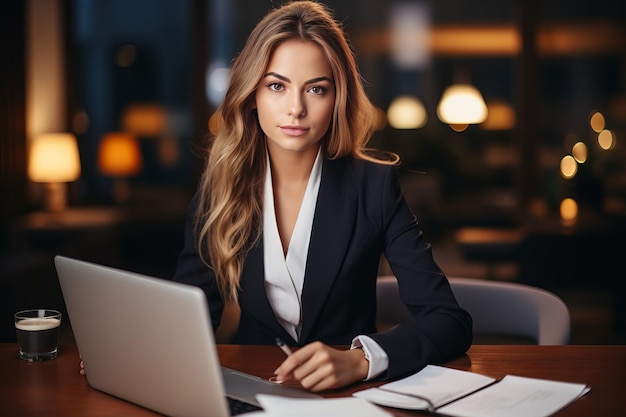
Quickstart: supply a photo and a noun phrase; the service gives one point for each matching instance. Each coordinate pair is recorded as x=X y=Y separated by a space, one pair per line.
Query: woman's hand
x=82 y=366
x=318 y=367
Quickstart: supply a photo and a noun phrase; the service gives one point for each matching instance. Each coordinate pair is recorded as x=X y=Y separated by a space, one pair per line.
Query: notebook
x=150 y=341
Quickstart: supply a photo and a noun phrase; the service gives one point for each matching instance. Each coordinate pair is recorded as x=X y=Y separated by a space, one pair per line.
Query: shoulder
x=366 y=176
x=360 y=168
x=352 y=179
x=373 y=186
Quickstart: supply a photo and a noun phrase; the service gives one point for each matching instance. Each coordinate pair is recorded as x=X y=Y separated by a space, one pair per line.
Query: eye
x=318 y=90
x=274 y=86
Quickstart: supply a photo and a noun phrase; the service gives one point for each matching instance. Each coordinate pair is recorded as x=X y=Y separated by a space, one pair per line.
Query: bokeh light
x=569 y=209
x=606 y=139
x=597 y=122
x=579 y=152
x=569 y=167
x=406 y=112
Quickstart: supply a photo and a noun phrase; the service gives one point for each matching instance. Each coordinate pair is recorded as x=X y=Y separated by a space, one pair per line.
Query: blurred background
x=105 y=106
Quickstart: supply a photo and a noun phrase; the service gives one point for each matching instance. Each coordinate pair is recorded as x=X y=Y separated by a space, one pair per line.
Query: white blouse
x=284 y=275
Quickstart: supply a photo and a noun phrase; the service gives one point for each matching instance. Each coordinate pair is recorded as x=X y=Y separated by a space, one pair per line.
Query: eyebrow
x=311 y=81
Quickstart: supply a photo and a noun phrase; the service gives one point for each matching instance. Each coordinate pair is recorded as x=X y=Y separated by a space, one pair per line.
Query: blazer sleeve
x=442 y=329
x=190 y=268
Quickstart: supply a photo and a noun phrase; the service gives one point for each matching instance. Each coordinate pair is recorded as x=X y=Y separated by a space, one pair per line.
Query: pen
x=283 y=346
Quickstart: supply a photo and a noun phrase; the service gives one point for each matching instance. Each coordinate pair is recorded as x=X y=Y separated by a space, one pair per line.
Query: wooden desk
x=55 y=388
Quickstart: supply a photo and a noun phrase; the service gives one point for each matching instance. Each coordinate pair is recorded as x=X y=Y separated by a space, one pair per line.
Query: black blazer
x=360 y=213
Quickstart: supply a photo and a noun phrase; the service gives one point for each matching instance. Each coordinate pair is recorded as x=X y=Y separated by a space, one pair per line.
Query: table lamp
x=54 y=160
x=119 y=157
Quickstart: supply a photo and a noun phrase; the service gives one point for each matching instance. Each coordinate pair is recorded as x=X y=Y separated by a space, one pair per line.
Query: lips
x=294 y=130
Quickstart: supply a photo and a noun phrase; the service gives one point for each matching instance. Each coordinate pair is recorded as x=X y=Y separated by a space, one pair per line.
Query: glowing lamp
x=462 y=104
x=54 y=160
x=406 y=112
x=119 y=156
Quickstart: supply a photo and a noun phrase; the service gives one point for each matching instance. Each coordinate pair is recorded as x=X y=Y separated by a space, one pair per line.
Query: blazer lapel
x=333 y=224
x=335 y=216
x=253 y=298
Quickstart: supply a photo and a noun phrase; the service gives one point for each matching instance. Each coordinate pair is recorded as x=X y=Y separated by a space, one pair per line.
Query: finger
x=312 y=364
x=292 y=362
x=319 y=370
x=320 y=379
x=285 y=370
x=331 y=369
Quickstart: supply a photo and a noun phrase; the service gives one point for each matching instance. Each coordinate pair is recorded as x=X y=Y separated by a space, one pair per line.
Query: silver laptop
x=150 y=341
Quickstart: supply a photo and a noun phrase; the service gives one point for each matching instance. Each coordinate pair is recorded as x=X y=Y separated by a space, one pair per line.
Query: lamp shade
x=119 y=155
x=462 y=104
x=406 y=112
x=54 y=158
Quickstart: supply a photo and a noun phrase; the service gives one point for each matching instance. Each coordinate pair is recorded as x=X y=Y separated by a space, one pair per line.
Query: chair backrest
x=497 y=308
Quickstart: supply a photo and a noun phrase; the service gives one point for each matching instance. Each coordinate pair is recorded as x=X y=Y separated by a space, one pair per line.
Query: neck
x=292 y=167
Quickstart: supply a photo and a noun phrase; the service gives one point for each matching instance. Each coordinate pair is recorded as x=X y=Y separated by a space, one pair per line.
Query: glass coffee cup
x=37 y=333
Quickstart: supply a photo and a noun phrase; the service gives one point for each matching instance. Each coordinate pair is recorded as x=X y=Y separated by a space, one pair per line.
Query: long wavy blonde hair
x=229 y=214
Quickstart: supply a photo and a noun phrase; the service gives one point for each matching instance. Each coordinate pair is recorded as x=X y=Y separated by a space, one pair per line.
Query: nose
x=297 y=106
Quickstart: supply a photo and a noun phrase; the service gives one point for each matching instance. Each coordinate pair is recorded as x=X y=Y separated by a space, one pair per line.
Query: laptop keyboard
x=239 y=407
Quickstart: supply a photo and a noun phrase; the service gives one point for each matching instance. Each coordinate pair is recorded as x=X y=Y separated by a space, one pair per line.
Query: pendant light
x=462 y=104
x=406 y=112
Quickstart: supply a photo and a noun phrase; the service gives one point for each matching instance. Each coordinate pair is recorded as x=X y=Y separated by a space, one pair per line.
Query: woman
x=292 y=215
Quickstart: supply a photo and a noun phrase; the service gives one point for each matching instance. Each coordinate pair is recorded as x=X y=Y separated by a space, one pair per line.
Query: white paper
x=389 y=399
x=517 y=396
x=275 y=406
x=439 y=384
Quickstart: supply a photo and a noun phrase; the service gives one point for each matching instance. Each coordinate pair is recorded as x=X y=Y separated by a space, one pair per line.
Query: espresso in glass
x=37 y=333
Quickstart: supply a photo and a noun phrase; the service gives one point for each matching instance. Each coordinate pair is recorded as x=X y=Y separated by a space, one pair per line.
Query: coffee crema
x=37 y=324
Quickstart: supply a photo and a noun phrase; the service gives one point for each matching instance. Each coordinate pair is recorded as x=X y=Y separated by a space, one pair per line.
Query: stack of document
x=439 y=390
x=458 y=393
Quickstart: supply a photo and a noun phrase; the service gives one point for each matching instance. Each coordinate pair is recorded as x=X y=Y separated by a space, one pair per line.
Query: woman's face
x=296 y=97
